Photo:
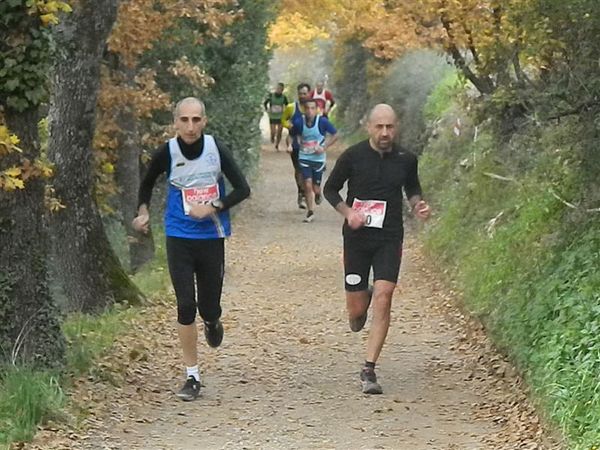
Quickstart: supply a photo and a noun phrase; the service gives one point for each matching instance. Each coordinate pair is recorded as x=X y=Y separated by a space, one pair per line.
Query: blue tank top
x=193 y=181
x=311 y=139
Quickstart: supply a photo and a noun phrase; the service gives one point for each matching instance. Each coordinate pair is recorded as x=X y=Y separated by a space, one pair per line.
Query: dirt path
x=286 y=376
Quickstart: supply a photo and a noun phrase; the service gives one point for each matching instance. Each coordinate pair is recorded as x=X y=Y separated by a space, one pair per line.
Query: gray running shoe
x=318 y=199
x=369 y=381
x=309 y=217
x=213 y=332
x=357 y=324
x=301 y=203
x=190 y=390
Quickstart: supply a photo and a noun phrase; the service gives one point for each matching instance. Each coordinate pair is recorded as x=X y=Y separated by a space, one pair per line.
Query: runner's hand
x=320 y=149
x=141 y=223
x=201 y=211
x=422 y=210
x=356 y=219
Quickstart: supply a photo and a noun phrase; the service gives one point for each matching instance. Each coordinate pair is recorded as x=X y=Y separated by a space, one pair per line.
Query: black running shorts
x=196 y=267
x=362 y=254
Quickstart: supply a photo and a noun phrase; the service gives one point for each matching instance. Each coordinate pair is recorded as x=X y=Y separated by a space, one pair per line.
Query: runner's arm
x=412 y=187
x=266 y=103
x=286 y=116
x=241 y=189
x=339 y=175
x=329 y=96
x=331 y=191
x=329 y=131
x=158 y=164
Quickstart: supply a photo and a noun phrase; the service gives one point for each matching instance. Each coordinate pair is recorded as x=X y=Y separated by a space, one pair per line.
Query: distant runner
x=324 y=98
x=377 y=171
x=291 y=113
x=196 y=225
x=274 y=105
x=315 y=135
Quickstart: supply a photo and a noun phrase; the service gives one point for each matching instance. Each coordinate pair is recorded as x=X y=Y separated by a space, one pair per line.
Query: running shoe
x=309 y=217
x=190 y=390
x=301 y=203
x=368 y=379
x=213 y=332
x=357 y=324
x=318 y=199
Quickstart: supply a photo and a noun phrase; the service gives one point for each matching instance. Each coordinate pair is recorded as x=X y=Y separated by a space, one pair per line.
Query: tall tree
x=88 y=270
x=29 y=325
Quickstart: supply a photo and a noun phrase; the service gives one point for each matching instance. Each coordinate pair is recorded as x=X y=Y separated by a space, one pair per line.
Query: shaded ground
x=286 y=376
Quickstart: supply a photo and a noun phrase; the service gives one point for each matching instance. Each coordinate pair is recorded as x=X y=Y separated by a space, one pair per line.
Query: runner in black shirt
x=377 y=171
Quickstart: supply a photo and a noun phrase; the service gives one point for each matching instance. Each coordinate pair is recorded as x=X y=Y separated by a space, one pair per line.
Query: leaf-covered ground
x=286 y=376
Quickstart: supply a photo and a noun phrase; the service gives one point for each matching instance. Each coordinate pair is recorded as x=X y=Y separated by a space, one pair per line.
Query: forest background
x=499 y=99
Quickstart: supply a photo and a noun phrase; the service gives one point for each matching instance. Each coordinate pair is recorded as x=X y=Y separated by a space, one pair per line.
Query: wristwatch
x=217 y=204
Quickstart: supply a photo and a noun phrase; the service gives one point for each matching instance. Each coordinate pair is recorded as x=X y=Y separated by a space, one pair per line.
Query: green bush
x=526 y=262
x=442 y=97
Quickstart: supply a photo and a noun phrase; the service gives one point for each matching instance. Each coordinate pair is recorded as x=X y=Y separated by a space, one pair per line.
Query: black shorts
x=196 y=267
x=274 y=121
x=362 y=254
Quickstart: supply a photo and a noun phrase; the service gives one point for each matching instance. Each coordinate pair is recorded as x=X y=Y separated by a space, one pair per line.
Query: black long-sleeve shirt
x=372 y=176
x=161 y=163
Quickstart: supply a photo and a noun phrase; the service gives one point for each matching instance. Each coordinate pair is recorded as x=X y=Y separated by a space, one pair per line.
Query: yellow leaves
x=294 y=30
x=53 y=6
x=48 y=11
x=13 y=172
x=8 y=141
x=16 y=176
x=49 y=19
x=108 y=167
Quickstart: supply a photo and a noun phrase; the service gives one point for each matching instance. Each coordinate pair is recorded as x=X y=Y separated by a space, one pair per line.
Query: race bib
x=197 y=196
x=276 y=108
x=310 y=147
x=374 y=211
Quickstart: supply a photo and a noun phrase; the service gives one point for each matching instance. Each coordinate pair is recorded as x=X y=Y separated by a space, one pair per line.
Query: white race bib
x=276 y=108
x=310 y=147
x=374 y=211
x=197 y=196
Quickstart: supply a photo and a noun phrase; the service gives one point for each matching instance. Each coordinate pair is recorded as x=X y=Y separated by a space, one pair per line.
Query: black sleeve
x=413 y=186
x=241 y=189
x=158 y=164
x=285 y=100
x=267 y=100
x=340 y=173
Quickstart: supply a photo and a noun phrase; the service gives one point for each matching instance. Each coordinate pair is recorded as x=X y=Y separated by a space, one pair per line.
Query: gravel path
x=286 y=376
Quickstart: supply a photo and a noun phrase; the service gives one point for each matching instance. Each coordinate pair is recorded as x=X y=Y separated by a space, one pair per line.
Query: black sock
x=369 y=365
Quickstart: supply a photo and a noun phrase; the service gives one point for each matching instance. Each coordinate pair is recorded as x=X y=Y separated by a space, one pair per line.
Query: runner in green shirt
x=274 y=105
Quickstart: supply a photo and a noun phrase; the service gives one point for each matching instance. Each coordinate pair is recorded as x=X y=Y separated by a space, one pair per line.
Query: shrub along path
x=286 y=375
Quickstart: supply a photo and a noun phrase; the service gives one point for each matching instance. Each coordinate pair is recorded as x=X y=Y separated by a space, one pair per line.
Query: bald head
x=382 y=109
x=189 y=119
x=189 y=102
x=381 y=126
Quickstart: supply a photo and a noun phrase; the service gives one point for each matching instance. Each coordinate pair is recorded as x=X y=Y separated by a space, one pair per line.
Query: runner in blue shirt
x=315 y=135
x=196 y=225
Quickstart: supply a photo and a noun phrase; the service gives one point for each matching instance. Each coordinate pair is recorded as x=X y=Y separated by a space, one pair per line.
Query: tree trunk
x=127 y=176
x=89 y=272
x=29 y=321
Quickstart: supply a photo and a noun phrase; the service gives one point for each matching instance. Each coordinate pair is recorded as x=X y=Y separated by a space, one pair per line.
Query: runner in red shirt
x=323 y=97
